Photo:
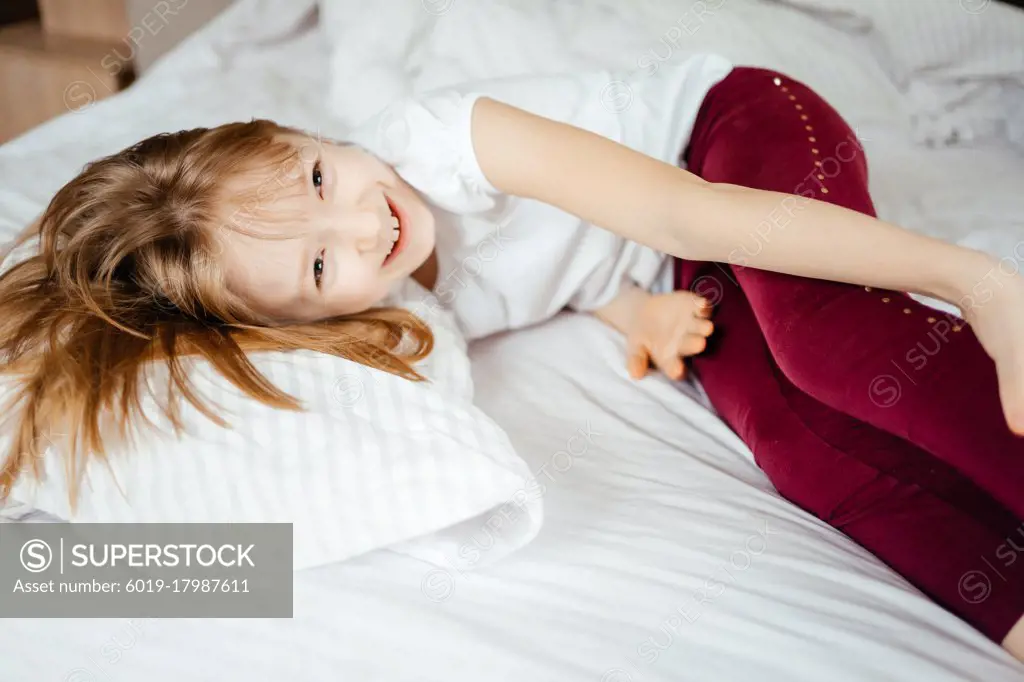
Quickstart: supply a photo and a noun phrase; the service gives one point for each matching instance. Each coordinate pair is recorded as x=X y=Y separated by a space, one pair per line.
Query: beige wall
x=159 y=25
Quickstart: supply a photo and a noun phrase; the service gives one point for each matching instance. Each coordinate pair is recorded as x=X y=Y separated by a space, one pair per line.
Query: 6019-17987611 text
x=205 y=585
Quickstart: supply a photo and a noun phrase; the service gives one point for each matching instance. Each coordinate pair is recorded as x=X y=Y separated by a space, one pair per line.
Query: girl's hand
x=998 y=323
x=668 y=328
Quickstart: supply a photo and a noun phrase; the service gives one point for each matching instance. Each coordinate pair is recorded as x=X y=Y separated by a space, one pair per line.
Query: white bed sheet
x=665 y=553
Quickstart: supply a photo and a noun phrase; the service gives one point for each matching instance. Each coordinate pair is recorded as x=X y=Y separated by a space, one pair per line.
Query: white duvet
x=959 y=64
x=665 y=553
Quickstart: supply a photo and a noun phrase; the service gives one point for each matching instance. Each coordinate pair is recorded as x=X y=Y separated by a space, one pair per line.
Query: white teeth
x=395 y=234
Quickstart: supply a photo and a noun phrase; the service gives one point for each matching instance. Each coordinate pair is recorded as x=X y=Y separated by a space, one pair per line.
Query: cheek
x=426 y=234
x=362 y=288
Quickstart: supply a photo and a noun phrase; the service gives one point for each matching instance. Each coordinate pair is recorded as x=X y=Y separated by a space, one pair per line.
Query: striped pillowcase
x=375 y=461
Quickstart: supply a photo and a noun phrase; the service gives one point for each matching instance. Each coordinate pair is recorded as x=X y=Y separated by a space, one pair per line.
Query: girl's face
x=354 y=227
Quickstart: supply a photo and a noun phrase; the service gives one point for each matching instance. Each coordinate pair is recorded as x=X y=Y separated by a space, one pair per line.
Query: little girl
x=510 y=200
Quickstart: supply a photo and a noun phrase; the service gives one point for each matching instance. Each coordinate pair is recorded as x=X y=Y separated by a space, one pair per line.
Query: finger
x=673 y=368
x=639 y=364
x=702 y=327
x=691 y=344
x=638 y=360
x=703 y=308
x=669 y=362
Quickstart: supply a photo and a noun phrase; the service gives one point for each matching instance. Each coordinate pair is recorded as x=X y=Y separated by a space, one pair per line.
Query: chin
x=417 y=256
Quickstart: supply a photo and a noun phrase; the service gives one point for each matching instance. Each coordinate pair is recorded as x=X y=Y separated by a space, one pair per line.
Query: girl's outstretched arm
x=674 y=211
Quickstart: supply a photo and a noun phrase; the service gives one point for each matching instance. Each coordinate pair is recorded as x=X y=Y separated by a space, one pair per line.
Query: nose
x=362 y=229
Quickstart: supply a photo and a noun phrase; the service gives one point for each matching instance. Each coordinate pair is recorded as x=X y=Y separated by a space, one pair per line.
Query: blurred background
x=45 y=45
x=57 y=54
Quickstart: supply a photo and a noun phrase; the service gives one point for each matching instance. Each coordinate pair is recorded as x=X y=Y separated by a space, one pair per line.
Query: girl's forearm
x=676 y=212
x=801 y=236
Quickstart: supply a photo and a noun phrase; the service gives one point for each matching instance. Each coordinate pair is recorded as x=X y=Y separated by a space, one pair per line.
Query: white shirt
x=507 y=262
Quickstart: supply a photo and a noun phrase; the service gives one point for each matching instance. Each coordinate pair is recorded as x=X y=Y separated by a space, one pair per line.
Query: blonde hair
x=127 y=275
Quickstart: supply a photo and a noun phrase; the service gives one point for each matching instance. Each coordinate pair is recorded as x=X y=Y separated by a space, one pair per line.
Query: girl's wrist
x=624 y=310
x=636 y=299
x=971 y=280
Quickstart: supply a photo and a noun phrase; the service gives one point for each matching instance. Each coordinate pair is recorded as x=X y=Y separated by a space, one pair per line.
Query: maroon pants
x=877 y=414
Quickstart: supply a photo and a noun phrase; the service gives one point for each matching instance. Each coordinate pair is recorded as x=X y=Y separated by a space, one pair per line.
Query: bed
x=665 y=553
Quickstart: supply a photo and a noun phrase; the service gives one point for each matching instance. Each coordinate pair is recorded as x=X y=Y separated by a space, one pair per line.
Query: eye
x=318 y=178
x=318 y=268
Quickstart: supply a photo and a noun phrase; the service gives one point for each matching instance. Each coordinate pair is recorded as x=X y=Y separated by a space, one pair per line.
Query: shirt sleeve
x=427 y=137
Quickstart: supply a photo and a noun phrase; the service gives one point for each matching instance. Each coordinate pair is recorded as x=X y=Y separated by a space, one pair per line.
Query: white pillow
x=376 y=461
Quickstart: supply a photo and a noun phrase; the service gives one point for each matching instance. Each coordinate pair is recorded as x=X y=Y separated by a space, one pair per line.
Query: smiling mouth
x=397 y=233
